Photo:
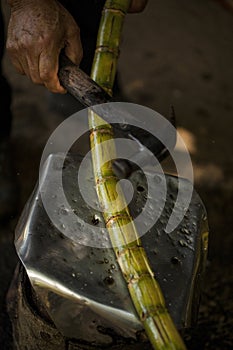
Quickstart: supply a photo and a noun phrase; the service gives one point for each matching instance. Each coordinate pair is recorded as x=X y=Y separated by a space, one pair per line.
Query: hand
x=37 y=32
x=137 y=6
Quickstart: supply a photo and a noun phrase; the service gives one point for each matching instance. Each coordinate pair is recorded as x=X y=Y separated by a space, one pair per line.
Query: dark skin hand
x=38 y=31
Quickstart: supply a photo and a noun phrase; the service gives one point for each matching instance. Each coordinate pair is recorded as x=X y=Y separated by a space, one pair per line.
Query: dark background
x=176 y=53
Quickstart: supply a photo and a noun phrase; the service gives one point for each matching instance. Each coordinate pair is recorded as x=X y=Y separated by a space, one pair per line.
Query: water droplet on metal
x=175 y=260
x=99 y=262
x=182 y=243
x=171 y=196
x=95 y=220
x=124 y=126
x=185 y=231
x=109 y=280
x=140 y=188
x=63 y=211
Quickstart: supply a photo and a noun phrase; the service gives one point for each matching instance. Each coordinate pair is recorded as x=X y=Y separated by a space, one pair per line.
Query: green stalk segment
x=108 y=42
x=131 y=256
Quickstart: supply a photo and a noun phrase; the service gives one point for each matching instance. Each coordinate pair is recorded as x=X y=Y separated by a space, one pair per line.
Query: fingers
x=49 y=61
x=73 y=46
x=16 y=64
x=33 y=68
x=24 y=60
x=34 y=44
x=48 y=70
x=19 y=62
x=14 y=56
x=40 y=67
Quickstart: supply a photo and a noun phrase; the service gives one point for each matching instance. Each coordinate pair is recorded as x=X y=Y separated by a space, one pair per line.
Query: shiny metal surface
x=81 y=287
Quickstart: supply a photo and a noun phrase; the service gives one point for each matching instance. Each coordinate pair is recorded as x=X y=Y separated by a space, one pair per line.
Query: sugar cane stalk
x=131 y=256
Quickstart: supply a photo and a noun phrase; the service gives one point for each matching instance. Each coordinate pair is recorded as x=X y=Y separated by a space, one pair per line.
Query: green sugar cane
x=144 y=290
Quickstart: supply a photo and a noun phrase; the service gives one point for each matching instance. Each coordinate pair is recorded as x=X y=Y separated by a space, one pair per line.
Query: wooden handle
x=80 y=85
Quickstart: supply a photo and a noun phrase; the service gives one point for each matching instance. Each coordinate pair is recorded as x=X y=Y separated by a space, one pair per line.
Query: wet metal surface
x=81 y=286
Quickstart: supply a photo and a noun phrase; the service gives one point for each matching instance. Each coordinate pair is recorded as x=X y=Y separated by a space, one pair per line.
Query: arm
x=37 y=32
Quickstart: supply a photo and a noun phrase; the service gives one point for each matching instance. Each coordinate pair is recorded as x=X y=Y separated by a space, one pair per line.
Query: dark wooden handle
x=80 y=85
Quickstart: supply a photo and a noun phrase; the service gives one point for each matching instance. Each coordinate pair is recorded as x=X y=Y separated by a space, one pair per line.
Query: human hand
x=137 y=6
x=37 y=32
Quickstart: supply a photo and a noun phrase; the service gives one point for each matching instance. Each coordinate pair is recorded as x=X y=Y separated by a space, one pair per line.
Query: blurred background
x=177 y=53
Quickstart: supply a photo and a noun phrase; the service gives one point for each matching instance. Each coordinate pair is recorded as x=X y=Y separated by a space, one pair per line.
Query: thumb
x=73 y=48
